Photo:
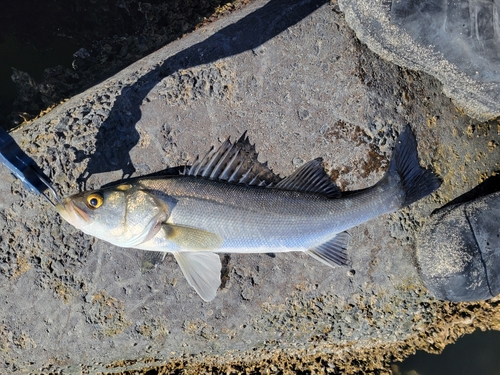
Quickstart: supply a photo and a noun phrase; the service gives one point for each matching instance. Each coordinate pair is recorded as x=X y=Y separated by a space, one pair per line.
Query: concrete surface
x=294 y=75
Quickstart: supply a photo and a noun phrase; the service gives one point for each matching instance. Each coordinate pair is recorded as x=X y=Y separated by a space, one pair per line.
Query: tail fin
x=417 y=182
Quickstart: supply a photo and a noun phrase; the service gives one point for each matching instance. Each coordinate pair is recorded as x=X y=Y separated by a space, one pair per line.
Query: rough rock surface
x=293 y=75
x=458 y=250
x=456 y=42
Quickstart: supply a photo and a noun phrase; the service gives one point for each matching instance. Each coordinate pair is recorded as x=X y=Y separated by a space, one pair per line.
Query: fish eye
x=95 y=200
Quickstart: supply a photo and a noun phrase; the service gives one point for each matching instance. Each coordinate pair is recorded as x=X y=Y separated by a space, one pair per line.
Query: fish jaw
x=73 y=214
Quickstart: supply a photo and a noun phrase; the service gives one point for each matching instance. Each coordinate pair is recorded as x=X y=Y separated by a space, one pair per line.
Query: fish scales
x=228 y=201
x=263 y=218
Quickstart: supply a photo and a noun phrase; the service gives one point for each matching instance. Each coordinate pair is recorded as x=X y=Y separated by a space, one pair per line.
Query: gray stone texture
x=459 y=250
x=292 y=74
x=455 y=41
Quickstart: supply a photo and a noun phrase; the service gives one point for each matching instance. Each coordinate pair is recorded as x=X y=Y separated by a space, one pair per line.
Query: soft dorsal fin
x=311 y=178
x=233 y=163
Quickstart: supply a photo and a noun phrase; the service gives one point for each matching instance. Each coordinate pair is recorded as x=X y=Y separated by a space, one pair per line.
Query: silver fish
x=228 y=202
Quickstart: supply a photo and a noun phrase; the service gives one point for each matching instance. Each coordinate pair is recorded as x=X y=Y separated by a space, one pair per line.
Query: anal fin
x=202 y=271
x=332 y=252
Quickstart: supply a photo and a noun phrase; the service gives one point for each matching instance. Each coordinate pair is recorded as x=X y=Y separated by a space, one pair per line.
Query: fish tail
x=415 y=181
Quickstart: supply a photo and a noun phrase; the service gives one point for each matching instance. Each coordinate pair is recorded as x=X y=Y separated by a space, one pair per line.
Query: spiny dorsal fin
x=311 y=178
x=233 y=163
x=332 y=252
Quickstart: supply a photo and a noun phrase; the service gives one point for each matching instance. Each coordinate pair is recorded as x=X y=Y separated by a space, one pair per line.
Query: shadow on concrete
x=489 y=186
x=117 y=135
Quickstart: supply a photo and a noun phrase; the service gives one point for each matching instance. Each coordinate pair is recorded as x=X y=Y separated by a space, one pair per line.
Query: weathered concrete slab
x=294 y=76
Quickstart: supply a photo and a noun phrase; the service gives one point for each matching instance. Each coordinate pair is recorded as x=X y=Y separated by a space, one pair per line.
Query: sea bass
x=228 y=202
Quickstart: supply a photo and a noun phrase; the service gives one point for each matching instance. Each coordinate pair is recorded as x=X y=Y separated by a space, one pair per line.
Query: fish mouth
x=72 y=213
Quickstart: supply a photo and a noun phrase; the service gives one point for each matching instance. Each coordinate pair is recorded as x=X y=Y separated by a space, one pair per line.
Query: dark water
x=40 y=38
x=21 y=55
x=474 y=354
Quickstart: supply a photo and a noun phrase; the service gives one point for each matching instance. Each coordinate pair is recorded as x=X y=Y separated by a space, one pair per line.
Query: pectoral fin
x=191 y=238
x=202 y=271
x=332 y=252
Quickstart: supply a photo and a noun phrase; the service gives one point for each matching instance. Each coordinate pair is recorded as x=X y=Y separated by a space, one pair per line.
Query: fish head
x=95 y=210
x=122 y=215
